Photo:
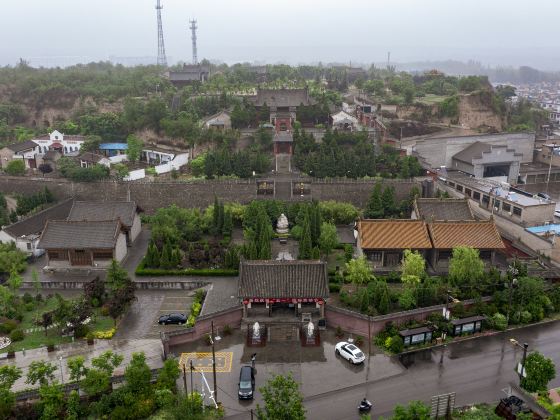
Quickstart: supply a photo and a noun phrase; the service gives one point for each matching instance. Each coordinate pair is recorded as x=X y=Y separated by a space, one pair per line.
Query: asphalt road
x=477 y=370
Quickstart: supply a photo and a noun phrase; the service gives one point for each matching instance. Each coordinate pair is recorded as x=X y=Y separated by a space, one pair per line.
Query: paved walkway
x=151 y=348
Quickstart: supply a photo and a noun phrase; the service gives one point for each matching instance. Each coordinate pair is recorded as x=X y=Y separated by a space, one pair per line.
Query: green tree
x=73 y=408
x=168 y=375
x=383 y=306
x=135 y=146
x=388 y=202
x=465 y=266
x=305 y=243
x=40 y=371
x=540 y=371
x=413 y=267
x=11 y=258
x=358 y=271
x=227 y=228
x=76 y=367
x=138 y=375
x=117 y=277
x=374 y=207
x=8 y=377
x=315 y=223
x=52 y=401
x=15 y=167
x=14 y=281
x=328 y=239
x=282 y=400
x=415 y=410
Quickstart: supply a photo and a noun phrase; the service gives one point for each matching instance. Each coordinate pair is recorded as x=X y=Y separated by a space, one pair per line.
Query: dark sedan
x=172 y=319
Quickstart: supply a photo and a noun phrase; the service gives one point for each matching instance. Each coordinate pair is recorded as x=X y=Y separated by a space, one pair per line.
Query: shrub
x=338 y=332
x=81 y=331
x=359 y=340
x=17 y=335
x=29 y=306
x=396 y=344
x=27 y=298
x=104 y=311
x=334 y=287
x=7 y=326
x=525 y=317
x=16 y=168
x=227 y=329
x=348 y=252
x=107 y=335
x=39 y=297
x=499 y=321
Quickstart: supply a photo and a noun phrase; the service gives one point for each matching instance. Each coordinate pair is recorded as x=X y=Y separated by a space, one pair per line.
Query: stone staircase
x=282 y=190
x=283 y=164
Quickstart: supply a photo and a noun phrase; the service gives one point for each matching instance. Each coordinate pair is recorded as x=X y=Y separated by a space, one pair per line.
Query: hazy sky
x=507 y=32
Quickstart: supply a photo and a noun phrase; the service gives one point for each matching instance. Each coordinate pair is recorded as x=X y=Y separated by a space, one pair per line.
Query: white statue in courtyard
x=310 y=328
x=282 y=225
x=256 y=330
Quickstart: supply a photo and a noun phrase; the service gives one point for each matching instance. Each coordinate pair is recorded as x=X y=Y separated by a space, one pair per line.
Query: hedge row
x=141 y=271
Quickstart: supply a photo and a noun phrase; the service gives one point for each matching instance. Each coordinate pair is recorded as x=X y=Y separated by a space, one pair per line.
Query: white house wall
x=120 y=248
x=136 y=227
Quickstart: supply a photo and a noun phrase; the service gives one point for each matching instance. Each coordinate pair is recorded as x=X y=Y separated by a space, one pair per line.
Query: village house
x=26 y=233
x=157 y=155
x=70 y=244
x=126 y=212
x=343 y=121
x=26 y=151
x=68 y=145
x=188 y=74
x=218 y=121
x=89 y=159
x=113 y=149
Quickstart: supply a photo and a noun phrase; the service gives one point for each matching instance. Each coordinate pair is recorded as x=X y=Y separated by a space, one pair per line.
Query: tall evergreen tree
x=389 y=205
x=374 y=208
x=305 y=244
x=227 y=227
x=215 y=215
x=315 y=223
x=166 y=261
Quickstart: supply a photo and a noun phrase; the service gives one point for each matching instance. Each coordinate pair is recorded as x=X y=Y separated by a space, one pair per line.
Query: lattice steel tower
x=193 y=29
x=161 y=58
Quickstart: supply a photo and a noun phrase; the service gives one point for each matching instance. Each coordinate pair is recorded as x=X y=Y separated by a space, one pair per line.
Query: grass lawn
x=38 y=338
x=431 y=99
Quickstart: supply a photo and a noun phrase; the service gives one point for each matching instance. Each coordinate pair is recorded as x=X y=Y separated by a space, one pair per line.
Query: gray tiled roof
x=283 y=279
x=282 y=97
x=20 y=147
x=62 y=234
x=443 y=209
x=104 y=210
x=91 y=157
x=34 y=225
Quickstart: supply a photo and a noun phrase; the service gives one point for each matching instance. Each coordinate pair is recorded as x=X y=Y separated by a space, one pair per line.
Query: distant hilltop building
x=188 y=74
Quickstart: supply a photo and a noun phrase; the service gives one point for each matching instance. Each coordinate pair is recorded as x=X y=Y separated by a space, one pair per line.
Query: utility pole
x=525 y=346
x=185 y=379
x=192 y=386
x=513 y=271
x=214 y=364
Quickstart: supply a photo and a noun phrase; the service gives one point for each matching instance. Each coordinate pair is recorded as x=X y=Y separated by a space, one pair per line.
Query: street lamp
x=61 y=374
x=521 y=369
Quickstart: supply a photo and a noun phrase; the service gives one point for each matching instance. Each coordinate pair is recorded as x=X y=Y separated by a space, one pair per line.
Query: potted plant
x=89 y=338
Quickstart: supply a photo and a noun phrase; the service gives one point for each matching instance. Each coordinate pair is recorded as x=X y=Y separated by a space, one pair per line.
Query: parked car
x=544 y=195
x=172 y=319
x=350 y=352
x=246 y=383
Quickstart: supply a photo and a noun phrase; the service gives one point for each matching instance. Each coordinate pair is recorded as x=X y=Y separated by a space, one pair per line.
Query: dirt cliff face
x=475 y=113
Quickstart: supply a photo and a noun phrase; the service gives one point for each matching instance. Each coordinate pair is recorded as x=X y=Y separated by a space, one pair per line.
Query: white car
x=350 y=352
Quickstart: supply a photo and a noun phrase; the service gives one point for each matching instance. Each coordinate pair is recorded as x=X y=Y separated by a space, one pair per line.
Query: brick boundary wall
x=357 y=323
x=230 y=316
x=153 y=195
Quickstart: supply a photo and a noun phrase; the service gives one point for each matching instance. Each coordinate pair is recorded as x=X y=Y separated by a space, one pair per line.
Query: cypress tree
x=176 y=257
x=220 y=224
x=250 y=251
x=166 y=260
x=374 y=207
x=315 y=223
x=383 y=306
x=305 y=241
x=156 y=257
x=315 y=253
x=388 y=201
x=215 y=216
x=227 y=228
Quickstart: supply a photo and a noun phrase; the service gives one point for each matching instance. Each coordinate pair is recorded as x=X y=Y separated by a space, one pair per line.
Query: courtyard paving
x=317 y=369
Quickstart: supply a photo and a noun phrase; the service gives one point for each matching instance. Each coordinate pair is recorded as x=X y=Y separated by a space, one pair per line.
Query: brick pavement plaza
x=150 y=347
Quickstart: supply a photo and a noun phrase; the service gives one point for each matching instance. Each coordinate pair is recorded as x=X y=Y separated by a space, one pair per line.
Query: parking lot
x=317 y=369
x=141 y=320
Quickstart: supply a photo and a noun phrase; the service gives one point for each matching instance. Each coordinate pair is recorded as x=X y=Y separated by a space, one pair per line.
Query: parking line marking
x=202 y=361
